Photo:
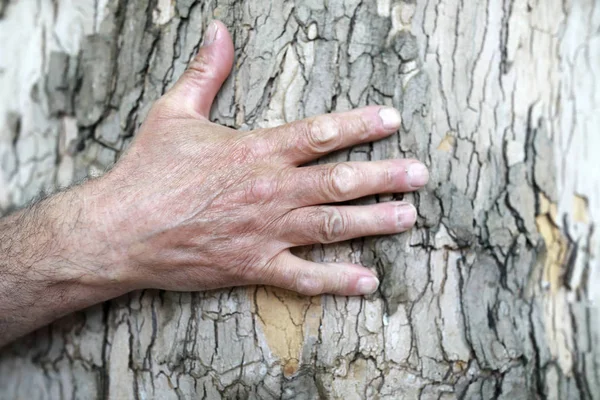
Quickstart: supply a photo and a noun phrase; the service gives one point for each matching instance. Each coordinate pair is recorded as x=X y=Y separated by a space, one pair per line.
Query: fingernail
x=211 y=34
x=367 y=285
x=406 y=215
x=418 y=175
x=391 y=119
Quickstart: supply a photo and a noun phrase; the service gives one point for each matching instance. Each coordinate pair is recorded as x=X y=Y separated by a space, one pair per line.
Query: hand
x=193 y=205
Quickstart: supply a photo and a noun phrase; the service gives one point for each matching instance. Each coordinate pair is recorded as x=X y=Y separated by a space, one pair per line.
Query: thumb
x=198 y=86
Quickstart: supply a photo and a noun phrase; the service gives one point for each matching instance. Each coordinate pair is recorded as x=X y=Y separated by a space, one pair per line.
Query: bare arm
x=53 y=260
x=193 y=205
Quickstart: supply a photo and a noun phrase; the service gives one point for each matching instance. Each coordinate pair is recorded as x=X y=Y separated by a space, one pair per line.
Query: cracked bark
x=494 y=295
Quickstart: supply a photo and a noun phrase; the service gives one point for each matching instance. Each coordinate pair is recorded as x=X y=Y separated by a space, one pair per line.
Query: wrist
x=52 y=263
x=84 y=251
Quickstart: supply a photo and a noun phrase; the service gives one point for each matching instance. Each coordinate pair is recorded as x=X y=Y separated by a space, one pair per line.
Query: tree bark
x=493 y=295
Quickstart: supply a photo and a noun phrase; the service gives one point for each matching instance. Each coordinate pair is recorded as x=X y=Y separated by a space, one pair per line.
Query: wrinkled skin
x=204 y=206
x=193 y=205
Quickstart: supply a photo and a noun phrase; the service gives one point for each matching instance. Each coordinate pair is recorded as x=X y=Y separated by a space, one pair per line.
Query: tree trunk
x=493 y=295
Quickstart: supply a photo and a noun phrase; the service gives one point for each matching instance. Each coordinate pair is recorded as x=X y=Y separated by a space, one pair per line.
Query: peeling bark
x=493 y=295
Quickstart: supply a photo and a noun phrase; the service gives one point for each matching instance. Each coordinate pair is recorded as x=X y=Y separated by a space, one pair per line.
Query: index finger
x=303 y=141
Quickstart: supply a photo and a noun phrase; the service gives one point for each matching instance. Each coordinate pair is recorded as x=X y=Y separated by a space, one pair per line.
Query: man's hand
x=193 y=205
x=200 y=206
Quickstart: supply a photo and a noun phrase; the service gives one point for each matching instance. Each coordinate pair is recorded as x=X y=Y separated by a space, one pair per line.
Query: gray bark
x=493 y=295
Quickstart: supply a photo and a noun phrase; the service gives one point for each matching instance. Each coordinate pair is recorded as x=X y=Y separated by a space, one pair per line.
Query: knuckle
x=389 y=177
x=341 y=181
x=332 y=225
x=309 y=284
x=363 y=127
x=259 y=190
x=322 y=134
x=250 y=147
x=242 y=152
x=260 y=145
x=200 y=69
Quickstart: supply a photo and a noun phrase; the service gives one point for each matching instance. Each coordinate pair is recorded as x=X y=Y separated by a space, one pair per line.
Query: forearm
x=52 y=262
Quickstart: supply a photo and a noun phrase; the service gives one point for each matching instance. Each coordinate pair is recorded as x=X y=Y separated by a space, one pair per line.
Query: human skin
x=193 y=206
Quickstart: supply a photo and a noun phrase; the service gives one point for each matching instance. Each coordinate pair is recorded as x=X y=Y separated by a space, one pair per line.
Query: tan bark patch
x=285 y=318
x=580 y=209
x=447 y=143
x=556 y=243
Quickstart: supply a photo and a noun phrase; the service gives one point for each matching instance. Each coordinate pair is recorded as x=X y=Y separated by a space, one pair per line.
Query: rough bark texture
x=492 y=296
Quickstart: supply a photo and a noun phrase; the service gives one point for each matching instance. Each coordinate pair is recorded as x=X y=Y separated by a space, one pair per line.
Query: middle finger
x=332 y=183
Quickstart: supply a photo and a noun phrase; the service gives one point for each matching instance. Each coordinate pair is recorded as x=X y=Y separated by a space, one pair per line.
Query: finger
x=329 y=224
x=197 y=88
x=311 y=279
x=331 y=183
x=303 y=141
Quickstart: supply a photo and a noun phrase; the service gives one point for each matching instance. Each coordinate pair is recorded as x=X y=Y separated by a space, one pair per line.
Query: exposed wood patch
x=557 y=244
x=580 y=209
x=447 y=143
x=286 y=317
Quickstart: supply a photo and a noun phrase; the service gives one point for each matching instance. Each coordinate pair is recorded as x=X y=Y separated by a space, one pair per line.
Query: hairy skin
x=193 y=205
